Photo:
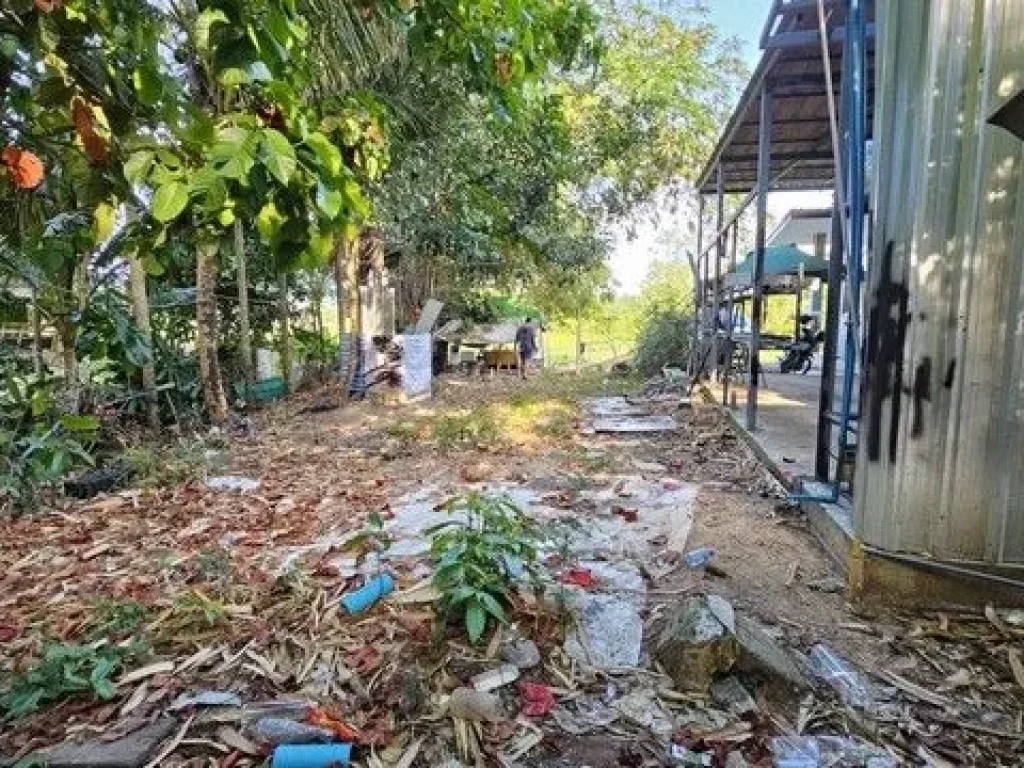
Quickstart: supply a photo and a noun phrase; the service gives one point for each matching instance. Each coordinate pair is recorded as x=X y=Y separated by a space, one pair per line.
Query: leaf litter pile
x=205 y=622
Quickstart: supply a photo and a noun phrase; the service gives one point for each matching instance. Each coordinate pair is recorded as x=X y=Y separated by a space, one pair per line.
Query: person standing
x=526 y=345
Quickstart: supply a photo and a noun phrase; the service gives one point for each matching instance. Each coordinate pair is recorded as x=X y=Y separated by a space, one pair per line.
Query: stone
x=730 y=693
x=829 y=585
x=608 y=633
x=232 y=483
x=643 y=708
x=520 y=652
x=762 y=651
x=695 y=645
x=469 y=704
x=132 y=751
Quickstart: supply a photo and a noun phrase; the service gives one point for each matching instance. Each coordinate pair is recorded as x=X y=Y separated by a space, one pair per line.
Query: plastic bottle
x=846 y=681
x=311 y=755
x=365 y=597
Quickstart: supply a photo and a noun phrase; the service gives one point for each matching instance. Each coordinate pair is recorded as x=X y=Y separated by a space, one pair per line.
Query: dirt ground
x=252 y=580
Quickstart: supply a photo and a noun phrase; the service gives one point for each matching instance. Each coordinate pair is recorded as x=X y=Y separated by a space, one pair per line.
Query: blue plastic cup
x=311 y=755
x=363 y=598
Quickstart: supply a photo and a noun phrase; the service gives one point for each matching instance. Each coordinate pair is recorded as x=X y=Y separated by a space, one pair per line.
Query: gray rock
x=232 y=483
x=762 y=651
x=520 y=652
x=696 y=645
x=731 y=694
x=132 y=751
x=608 y=632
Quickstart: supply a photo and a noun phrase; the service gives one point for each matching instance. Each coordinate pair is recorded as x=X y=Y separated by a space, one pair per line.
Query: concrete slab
x=633 y=424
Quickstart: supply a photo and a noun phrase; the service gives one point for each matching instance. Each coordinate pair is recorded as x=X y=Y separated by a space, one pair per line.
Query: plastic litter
x=846 y=681
x=821 y=751
x=365 y=597
x=698 y=558
x=311 y=755
x=280 y=730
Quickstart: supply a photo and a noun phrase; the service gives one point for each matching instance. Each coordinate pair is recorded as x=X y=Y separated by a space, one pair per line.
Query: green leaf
x=328 y=200
x=321 y=247
x=148 y=84
x=80 y=424
x=226 y=217
x=169 y=201
x=476 y=621
x=232 y=77
x=327 y=154
x=152 y=266
x=269 y=222
x=357 y=201
x=137 y=166
x=205 y=23
x=492 y=606
x=278 y=155
x=103 y=219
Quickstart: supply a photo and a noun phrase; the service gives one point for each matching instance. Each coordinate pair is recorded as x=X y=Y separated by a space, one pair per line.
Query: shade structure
x=784 y=260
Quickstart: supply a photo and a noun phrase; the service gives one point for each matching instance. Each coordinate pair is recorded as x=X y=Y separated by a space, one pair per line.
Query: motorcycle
x=800 y=354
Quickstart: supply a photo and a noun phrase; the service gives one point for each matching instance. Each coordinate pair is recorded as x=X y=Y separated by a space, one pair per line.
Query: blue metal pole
x=854 y=97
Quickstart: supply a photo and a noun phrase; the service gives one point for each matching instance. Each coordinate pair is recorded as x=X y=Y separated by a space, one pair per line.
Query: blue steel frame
x=854 y=98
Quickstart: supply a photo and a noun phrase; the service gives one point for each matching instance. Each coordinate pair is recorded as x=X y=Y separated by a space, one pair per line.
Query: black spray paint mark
x=922 y=393
x=887 y=331
x=950 y=375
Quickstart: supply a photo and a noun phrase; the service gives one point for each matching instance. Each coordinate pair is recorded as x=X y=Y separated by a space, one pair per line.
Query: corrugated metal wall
x=941 y=451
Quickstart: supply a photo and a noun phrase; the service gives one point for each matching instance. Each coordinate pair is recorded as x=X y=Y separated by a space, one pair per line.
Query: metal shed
x=939 y=470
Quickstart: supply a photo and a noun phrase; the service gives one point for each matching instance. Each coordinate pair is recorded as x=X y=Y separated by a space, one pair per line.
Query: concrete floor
x=787 y=418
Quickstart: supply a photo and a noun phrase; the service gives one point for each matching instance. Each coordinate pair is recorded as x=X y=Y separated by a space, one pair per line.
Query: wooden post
x=799 y=301
x=579 y=340
x=245 y=334
x=763 y=173
x=339 y=290
x=732 y=308
x=697 y=289
x=140 y=310
x=719 y=256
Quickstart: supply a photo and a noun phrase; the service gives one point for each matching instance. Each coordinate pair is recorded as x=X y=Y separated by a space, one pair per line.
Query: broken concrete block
x=762 y=651
x=608 y=633
x=695 y=645
x=730 y=693
x=132 y=751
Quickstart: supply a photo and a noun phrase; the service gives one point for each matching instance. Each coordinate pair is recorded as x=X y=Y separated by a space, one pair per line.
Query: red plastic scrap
x=537 y=699
x=580 y=577
x=324 y=718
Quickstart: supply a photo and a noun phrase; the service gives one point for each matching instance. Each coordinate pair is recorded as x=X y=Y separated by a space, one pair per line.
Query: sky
x=632 y=256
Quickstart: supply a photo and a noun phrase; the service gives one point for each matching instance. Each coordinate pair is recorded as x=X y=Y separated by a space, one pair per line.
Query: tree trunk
x=37 y=334
x=339 y=286
x=317 y=299
x=245 y=340
x=285 y=328
x=67 y=335
x=579 y=340
x=140 y=309
x=206 y=333
x=353 y=320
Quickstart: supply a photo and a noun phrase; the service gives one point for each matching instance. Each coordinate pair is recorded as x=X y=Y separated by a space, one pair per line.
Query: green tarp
x=784 y=260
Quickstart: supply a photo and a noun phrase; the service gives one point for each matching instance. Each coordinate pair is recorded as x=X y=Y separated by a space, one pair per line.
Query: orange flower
x=49 y=6
x=25 y=169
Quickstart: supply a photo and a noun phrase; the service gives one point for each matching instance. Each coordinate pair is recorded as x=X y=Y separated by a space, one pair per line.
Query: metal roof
x=792 y=69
